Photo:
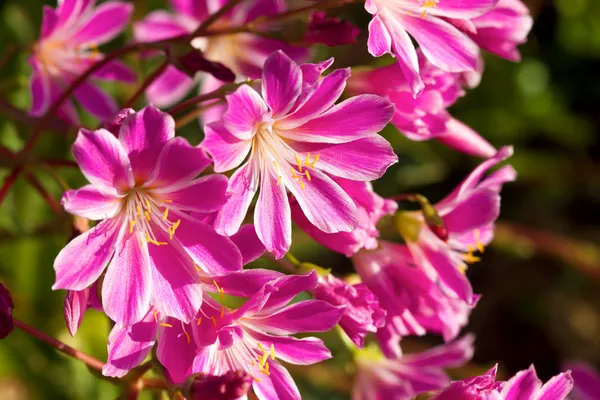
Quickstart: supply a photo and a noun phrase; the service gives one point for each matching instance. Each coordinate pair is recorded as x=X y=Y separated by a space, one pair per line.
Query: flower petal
x=248 y=243
x=108 y=20
x=324 y=203
x=465 y=9
x=355 y=118
x=281 y=83
x=480 y=209
x=205 y=194
x=96 y=101
x=305 y=351
x=213 y=253
x=272 y=216
x=226 y=150
x=75 y=306
x=461 y=137
x=159 y=25
x=116 y=71
x=556 y=388
x=129 y=346
x=278 y=385
x=304 y=316
x=522 y=386
x=243 y=185
x=245 y=111
x=143 y=136
x=39 y=87
x=174 y=351
x=380 y=41
x=127 y=285
x=103 y=161
x=169 y=88
x=49 y=20
x=84 y=258
x=88 y=202
x=245 y=283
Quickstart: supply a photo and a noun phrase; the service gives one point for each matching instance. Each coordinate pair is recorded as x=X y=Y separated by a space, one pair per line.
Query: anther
x=165 y=325
x=131 y=225
x=260 y=346
x=147 y=204
x=214 y=320
x=480 y=246
x=166 y=214
x=272 y=351
x=307 y=175
x=278 y=180
x=147 y=214
x=156 y=316
x=298 y=162
x=187 y=336
x=199 y=321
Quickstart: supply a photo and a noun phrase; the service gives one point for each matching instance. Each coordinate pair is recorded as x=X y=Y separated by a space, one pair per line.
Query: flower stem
x=149 y=80
x=60 y=346
x=215 y=94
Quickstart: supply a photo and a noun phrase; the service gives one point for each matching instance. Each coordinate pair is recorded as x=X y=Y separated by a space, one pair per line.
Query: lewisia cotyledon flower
x=425 y=117
x=293 y=137
x=243 y=53
x=403 y=378
x=586 y=381
x=469 y=214
x=252 y=338
x=143 y=186
x=525 y=385
x=427 y=22
x=414 y=303
x=68 y=45
x=370 y=208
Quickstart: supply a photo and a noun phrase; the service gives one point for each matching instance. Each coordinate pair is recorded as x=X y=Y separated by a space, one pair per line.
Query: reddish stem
x=51 y=201
x=8 y=182
x=60 y=346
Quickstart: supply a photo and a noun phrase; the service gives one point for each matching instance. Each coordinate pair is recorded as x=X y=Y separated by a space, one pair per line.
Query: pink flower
x=444 y=45
x=67 y=46
x=468 y=213
x=587 y=381
x=362 y=312
x=143 y=187
x=243 y=53
x=294 y=138
x=502 y=29
x=525 y=385
x=252 y=337
x=370 y=209
x=230 y=386
x=330 y=31
x=414 y=304
x=425 y=117
x=379 y=378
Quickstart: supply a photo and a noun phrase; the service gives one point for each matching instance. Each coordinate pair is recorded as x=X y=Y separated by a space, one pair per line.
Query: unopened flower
x=468 y=214
x=330 y=31
x=294 y=138
x=444 y=45
x=67 y=46
x=252 y=338
x=586 y=381
x=362 y=313
x=143 y=187
x=414 y=303
x=243 y=53
x=407 y=376
x=525 y=385
x=425 y=117
x=230 y=386
x=370 y=208
x=6 y=307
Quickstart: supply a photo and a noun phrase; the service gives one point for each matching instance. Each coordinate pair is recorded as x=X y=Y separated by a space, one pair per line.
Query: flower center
x=427 y=5
x=56 y=57
x=148 y=216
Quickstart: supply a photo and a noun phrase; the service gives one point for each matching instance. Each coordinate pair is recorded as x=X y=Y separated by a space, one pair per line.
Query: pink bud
x=330 y=31
x=6 y=307
x=232 y=385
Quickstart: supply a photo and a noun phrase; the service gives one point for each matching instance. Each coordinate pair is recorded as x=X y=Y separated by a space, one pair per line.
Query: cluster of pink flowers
x=173 y=234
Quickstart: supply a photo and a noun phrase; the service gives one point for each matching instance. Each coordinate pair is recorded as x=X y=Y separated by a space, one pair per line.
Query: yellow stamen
x=256 y=379
x=260 y=346
x=156 y=316
x=312 y=165
x=276 y=165
x=298 y=162
x=166 y=214
x=253 y=363
x=278 y=180
x=187 y=336
x=139 y=211
x=272 y=351
x=480 y=246
x=263 y=360
x=131 y=225
x=214 y=320
x=147 y=204
x=165 y=325
x=302 y=186
x=198 y=268
x=150 y=240
x=147 y=214
x=307 y=175
x=199 y=321
x=222 y=310
x=167 y=201
x=469 y=257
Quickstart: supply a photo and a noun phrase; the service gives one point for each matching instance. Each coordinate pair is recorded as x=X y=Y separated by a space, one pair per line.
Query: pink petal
x=522 y=386
x=245 y=112
x=103 y=160
x=88 y=202
x=108 y=20
x=247 y=282
x=278 y=385
x=461 y=137
x=213 y=253
x=480 y=209
x=304 y=316
x=243 y=185
x=248 y=243
x=116 y=71
x=70 y=10
x=587 y=380
x=174 y=351
x=355 y=118
x=464 y=9
x=205 y=194
x=281 y=83
x=143 y=136
x=159 y=25
x=127 y=285
x=364 y=159
x=305 y=351
x=75 y=306
x=324 y=203
x=176 y=286
x=96 y=101
x=178 y=163
x=380 y=41
x=49 y=20
x=272 y=217
x=169 y=88
x=129 y=346
x=453 y=354
x=556 y=388
x=226 y=150
x=445 y=46
x=83 y=259
x=40 y=92
x=288 y=287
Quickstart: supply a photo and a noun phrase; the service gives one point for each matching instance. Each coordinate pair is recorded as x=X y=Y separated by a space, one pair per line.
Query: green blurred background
x=539 y=280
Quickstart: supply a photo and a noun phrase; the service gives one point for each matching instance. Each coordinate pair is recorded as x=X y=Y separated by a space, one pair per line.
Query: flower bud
x=232 y=385
x=330 y=31
x=6 y=307
x=194 y=61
